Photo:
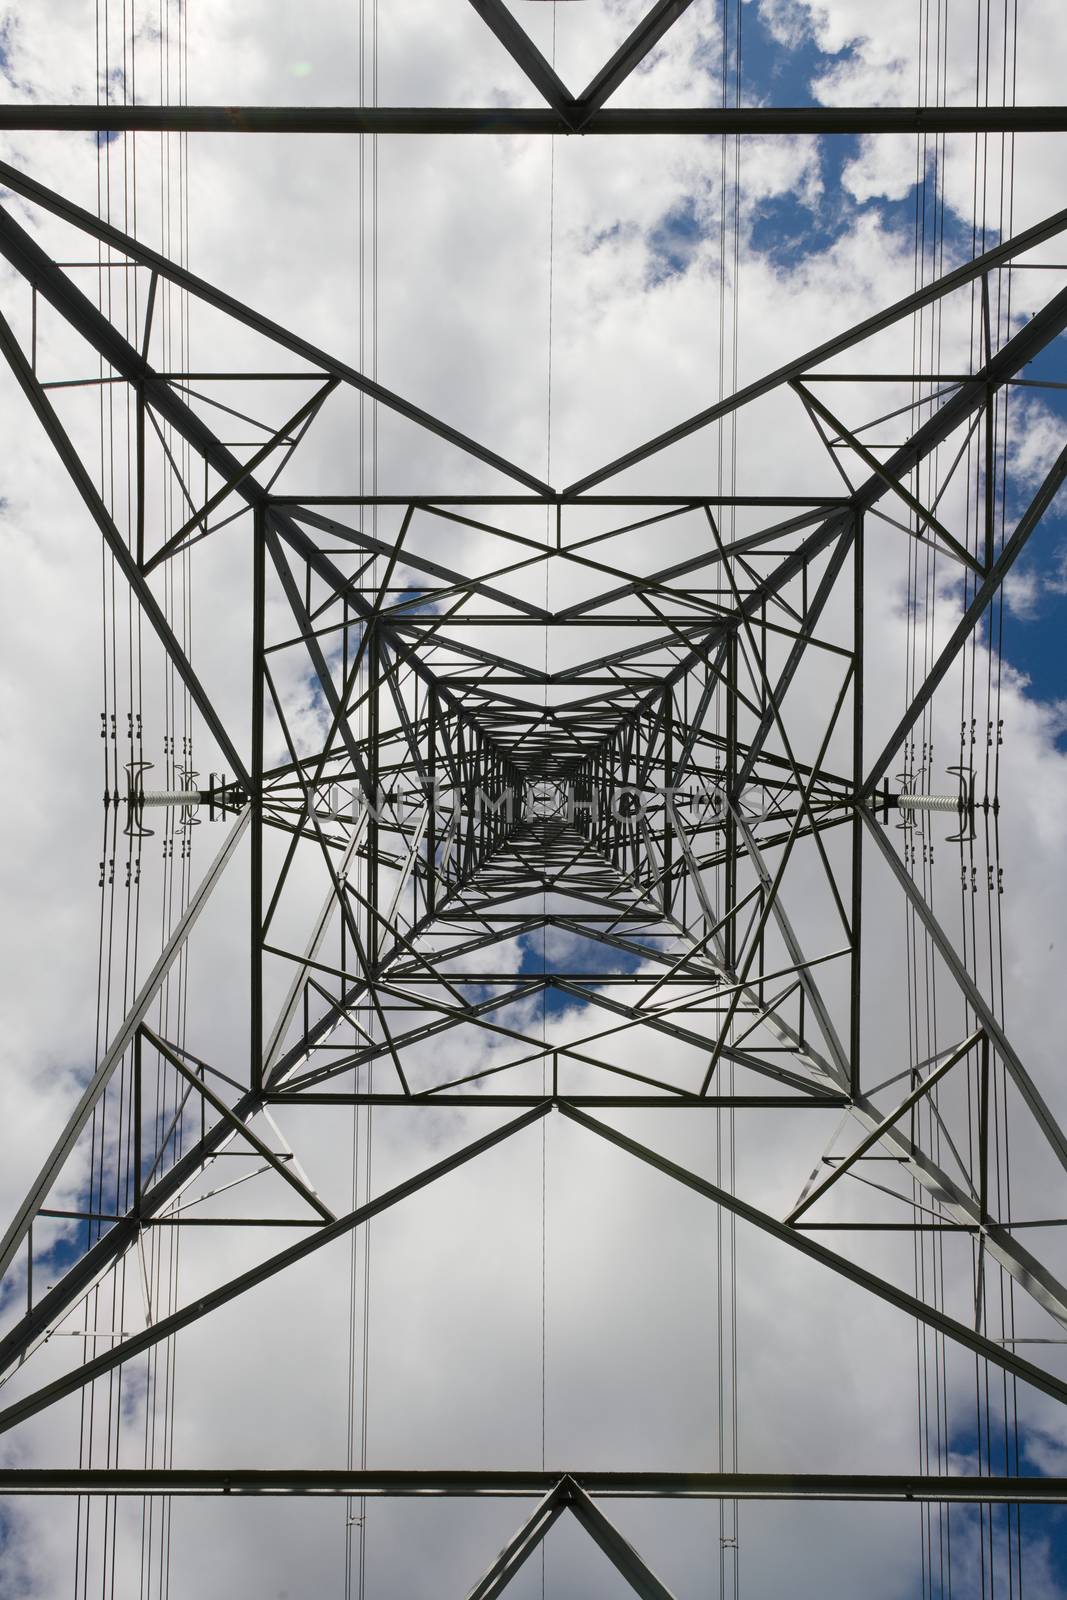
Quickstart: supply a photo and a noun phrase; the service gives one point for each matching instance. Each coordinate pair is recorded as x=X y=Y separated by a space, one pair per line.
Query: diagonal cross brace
x=16 y=1233
x=522 y=50
x=70 y=1382
x=1000 y=1355
x=11 y=178
x=568 y=1495
x=27 y=256
x=1001 y=253
x=629 y=55
x=521 y=1546
x=577 y=111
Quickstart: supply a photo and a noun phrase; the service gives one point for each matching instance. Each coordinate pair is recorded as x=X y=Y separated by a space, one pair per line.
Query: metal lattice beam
x=478 y=813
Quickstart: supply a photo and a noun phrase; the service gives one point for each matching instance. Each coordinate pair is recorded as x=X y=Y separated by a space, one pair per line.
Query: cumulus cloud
x=632 y=1356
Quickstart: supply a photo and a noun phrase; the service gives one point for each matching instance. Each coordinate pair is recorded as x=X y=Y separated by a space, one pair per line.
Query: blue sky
x=787 y=230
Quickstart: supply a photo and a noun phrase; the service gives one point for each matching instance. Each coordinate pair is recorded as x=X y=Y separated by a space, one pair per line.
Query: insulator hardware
x=220 y=797
x=928 y=802
x=960 y=804
x=170 y=797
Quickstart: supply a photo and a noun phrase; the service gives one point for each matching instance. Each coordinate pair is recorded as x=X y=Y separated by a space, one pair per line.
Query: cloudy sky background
x=827 y=1377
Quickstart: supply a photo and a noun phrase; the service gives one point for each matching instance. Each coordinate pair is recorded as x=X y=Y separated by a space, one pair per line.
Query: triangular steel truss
x=569 y=1496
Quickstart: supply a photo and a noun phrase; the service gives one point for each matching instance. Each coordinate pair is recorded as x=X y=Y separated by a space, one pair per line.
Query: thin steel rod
x=798 y=368
x=71 y=1382
x=52 y=1167
x=881 y=1288
x=26 y=256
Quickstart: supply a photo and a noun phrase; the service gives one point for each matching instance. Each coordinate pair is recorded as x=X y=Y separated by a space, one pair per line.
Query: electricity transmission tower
x=664 y=781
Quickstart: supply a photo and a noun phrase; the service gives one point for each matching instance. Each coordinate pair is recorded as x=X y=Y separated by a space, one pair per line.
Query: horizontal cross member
x=631 y=1485
x=760 y=120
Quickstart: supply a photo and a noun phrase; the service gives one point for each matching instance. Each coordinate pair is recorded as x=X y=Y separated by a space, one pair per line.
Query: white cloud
x=826 y=1377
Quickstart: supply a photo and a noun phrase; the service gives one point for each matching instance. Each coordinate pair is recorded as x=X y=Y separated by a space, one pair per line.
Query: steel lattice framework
x=657 y=774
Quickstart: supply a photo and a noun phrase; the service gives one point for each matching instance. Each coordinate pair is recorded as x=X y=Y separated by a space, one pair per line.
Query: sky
x=826 y=230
